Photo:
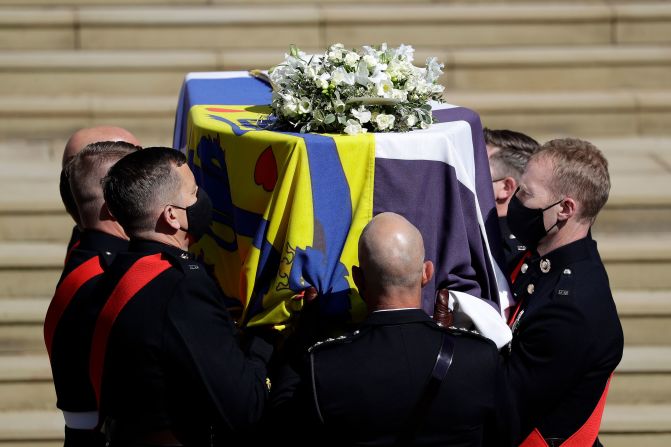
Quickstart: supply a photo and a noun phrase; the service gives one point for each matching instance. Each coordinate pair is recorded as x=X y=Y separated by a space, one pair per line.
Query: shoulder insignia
x=334 y=340
x=461 y=330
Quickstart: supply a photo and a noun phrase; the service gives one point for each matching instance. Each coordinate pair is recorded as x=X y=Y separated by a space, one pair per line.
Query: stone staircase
x=596 y=69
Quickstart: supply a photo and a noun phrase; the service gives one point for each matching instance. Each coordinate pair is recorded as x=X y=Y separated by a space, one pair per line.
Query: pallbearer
x=567 y=338
x=165 y=362
x=69 y=322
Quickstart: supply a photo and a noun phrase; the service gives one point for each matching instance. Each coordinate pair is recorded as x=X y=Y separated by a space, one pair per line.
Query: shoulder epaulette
x=469 y=332
x=334 y=340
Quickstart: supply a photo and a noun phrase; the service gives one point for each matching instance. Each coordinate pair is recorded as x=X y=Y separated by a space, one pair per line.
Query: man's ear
x=427 y=272
x=569 y=208
x=170 y=217
x=105 y=213
x=509 y=187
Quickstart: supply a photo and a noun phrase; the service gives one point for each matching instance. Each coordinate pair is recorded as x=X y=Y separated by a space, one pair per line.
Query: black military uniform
x=75 y=239
x=72 y=332
x=512 y=247
x=173 y=363
x=362 y=389
x=567 y=339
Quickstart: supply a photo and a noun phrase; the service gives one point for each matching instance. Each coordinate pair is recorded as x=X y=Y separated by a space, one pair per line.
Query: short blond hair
x=579 y=171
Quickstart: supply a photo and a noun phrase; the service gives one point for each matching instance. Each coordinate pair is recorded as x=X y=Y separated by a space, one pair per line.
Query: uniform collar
x=564 y=256
x=105 y=244
x=397 y=317
x=149 y=247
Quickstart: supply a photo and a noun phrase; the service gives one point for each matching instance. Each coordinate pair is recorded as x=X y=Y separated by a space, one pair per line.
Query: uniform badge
x=545 y=265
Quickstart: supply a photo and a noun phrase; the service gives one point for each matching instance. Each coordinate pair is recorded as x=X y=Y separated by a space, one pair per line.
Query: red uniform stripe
x=65 y=291
x=143 y=271
x=584 y=437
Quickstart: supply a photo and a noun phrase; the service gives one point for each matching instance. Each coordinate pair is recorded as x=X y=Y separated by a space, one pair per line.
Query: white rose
x=411 y=120
x=362 y=114
x=437 y=88
x=351 y=59
x=290 y=108
x=354 y=128
x=399 y=94
x=335 y=55
x=384 y=121
x=370 y=60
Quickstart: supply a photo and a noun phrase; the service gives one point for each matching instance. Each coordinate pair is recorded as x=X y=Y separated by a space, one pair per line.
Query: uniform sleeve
x=547 y=356
x=501 y=425
x=205 y=340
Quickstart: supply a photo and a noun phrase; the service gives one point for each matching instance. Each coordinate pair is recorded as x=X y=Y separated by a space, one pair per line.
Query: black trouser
x=83 y=438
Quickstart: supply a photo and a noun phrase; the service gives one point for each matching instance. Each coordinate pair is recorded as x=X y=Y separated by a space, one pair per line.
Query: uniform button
x=524 y=268
x=530 y=289
x=545 y=265
x=567 y=271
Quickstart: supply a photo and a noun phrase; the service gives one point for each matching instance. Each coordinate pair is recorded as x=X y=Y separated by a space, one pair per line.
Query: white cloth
x=469 y=309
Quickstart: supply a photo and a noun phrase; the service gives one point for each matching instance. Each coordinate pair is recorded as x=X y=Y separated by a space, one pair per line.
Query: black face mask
x=198 y=215
x=527 y=223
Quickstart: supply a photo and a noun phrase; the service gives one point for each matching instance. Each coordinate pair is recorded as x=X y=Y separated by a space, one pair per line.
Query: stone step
x=625 y=425
x=627 y=113
x=645 y=316
x=30 y=268
x=639 y=262
x=26 y=384
x=31 y=428
x=277 y=26
x=21 y=324
x=506 y=69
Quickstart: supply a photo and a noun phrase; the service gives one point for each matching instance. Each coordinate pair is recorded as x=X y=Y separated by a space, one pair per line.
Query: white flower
x=384 y=121
x=361 y=75
x=433 y=69
x=323 y=81
x=290 y=107
x=405 y=52
x=351 y=59
x=399 y=94
x=362 y=114
x=370 y=60
x=335 y=55
x=313 y=93
x=354 y=128
x=305 y=106
x=411 y=120
x=338 y=106
x=340 y=76
x=384 y=88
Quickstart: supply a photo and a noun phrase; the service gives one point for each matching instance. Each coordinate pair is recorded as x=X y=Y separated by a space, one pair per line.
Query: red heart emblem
x=265 y=172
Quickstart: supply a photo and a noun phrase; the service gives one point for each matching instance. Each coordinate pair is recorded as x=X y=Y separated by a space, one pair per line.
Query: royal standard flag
x=290 y=207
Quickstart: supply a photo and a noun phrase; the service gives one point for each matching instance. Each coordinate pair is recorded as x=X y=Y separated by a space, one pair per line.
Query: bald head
x=391 y=258
x=83 y=137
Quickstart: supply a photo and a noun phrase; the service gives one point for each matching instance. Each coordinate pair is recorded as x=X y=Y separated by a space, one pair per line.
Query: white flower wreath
x=354 y=91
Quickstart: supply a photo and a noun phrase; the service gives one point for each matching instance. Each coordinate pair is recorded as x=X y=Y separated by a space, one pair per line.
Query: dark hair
x=138 y=184
x=515 y=148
